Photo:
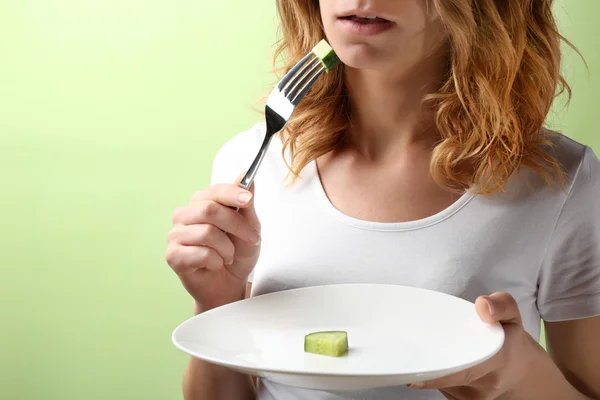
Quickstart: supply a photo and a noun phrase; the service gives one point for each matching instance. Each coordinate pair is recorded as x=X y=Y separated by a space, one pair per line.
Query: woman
x=422 y=161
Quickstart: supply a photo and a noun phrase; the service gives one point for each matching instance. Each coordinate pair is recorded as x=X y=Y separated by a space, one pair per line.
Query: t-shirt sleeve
x=569 y=280
x=222 y=168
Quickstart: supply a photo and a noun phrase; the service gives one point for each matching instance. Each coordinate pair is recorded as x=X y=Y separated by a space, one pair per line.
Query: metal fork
x=281 y=104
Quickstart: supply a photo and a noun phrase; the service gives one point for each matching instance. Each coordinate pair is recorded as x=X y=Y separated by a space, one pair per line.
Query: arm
x=200 y=252
x=575 y=348
x=204 y=381
x=546 y=380
x=571 y=369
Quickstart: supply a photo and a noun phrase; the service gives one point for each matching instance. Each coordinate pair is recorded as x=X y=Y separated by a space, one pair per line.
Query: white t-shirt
x=541 y=245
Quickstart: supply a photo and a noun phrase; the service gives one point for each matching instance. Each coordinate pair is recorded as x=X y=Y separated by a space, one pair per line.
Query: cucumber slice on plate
x=325 y=53
x=329 y=343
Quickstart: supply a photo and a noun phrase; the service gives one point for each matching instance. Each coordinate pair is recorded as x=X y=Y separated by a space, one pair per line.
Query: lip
x=364 y=13
x=363 y=29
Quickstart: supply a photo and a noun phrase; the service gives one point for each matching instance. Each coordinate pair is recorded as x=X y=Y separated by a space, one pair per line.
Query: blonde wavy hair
x=503 y=77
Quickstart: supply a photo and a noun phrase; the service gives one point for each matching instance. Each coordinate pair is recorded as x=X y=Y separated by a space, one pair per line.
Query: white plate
x=397 y=335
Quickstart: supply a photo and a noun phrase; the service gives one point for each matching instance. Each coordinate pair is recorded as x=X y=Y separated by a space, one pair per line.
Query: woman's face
x=404 y=33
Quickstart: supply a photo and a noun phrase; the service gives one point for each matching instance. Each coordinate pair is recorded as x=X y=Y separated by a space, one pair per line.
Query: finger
x=204 y=235
x=463 y=392
x=449 y=396
x=224 y=218
x=228 y=195
x=190 y=258
x=498 y=307
x=462 y=378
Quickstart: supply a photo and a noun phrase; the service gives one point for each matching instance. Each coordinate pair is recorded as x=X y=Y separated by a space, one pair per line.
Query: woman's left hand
x=501 y=374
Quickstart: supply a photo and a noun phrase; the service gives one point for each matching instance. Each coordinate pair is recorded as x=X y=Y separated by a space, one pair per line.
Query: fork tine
x=306 y=69
x=293 y=71
x=296 y=100
x=299 y=81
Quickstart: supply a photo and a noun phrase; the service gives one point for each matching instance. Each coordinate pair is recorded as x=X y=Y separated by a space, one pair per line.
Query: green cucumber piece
x=328 y=343
x=325 y=53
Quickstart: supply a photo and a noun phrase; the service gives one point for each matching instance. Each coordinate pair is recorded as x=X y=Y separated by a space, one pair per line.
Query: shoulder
x=242 y=143
x=580 y=183
x=580 y=165
x=236 y=155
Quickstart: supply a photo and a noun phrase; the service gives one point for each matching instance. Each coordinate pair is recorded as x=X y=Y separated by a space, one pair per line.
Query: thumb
x=498 y=307
x=249 y=211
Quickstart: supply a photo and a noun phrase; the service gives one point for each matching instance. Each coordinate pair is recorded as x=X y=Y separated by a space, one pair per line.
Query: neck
x=387 y=108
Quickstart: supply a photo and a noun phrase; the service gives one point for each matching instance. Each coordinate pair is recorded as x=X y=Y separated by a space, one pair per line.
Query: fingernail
x=255 y=239
x=490 y=306
x=419 y=385
x=228 y=263
x=244 y=197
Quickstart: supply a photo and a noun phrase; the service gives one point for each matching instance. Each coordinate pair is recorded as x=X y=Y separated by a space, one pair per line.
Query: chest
x=467 y=255
x=405 y=192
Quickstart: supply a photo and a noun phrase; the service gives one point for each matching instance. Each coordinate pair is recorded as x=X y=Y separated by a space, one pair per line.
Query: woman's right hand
x=213 y=265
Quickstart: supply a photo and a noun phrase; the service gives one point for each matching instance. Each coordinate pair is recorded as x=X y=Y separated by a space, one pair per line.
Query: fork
x=281 y=104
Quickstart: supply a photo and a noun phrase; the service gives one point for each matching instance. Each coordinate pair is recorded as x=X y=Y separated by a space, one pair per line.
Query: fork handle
x=247 y=180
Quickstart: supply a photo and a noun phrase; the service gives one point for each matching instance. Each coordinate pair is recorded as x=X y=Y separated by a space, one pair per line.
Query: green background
x=110 y=114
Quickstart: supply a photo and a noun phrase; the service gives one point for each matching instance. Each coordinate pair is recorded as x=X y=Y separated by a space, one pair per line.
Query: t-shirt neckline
x=329 y=208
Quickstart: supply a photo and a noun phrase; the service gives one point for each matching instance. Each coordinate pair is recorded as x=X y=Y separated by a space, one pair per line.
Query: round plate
x=397 y=335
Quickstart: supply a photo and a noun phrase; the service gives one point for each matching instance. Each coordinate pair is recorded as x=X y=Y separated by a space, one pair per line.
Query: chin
x=361 y=56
